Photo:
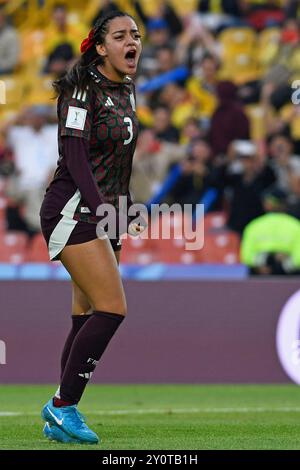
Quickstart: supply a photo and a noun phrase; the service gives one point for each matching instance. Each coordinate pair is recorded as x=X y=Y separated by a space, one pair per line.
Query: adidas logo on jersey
x=87 y=375
x=109 y=102
x=85 y=210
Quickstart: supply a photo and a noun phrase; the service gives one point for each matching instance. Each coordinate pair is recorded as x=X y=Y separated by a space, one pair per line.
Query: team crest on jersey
x=76 y=118
x=132 y=101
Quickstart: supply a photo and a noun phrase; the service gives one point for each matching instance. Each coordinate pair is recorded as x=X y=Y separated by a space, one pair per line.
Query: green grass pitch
x=163 y=417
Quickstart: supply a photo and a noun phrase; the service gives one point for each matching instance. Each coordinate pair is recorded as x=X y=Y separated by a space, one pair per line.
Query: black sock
x=77 y=322
x=87 y=348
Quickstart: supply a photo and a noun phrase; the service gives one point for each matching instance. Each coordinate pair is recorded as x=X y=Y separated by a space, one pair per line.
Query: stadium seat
x=220 y=248
x=239 y=54
x=170 y=236
x=240 y=68
x=159 y=244
x=164 y=223
x=214 y=221
x=13 y=247
x=136 y=250
x=268 y=45
x=262 y=17
x=174 y=251
x=183 y=8
x=38 y=252
x=237 y=41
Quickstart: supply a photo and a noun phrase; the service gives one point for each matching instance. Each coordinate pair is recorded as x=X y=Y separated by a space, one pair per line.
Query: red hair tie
x=87 y=43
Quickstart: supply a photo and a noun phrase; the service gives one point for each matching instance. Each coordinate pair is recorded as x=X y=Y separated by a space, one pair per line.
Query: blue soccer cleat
x=54 y=433
x=69 y=420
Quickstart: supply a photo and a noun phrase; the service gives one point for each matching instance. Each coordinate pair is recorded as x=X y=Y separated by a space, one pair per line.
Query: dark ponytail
x=78 y=75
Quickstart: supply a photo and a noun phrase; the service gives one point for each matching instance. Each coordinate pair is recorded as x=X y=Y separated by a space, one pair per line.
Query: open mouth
x=130 y=57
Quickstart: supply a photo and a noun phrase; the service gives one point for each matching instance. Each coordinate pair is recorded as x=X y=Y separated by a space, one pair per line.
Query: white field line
x=4 y=414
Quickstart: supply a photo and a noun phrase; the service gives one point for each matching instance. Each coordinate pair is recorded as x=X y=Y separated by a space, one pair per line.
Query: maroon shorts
x=61 y=231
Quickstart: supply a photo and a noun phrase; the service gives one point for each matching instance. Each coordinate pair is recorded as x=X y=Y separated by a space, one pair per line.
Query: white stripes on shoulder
x=80 y=95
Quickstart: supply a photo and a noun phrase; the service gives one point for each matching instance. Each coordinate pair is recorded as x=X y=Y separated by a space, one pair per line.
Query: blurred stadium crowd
x=219 y=114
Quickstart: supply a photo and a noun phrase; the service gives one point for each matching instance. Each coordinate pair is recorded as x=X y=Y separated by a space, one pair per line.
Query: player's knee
x=81 y=311
x=80 y=303
x=117 y=305
x=78 y=308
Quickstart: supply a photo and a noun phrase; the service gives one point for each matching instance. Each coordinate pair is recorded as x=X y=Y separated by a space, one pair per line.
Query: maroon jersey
x=103 y=119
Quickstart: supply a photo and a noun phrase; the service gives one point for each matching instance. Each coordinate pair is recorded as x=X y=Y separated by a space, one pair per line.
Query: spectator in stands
x=191 y=130
x=157 y=37
x=290 y=32
x=292 y=8
x=166 y=12
x=33 y=143
x=9 y=45
x=204 y=88
x=293 y=200
x=151 y=163
x=162 y=126
x=195 y=177
x=62 y=41
x=59 y=59
x=282 y=159
x=180 y=103
x=216 y=15
x=6 y=159
x=285 y=63
x=195 y=43
x=229 y=121
x=106 y=7
x=244 y=178
x=228 y=7
x=270 y=243
x=288 y=54
x=165 y=59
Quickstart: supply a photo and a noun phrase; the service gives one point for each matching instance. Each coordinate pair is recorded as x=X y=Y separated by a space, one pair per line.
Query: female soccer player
x=97 y=135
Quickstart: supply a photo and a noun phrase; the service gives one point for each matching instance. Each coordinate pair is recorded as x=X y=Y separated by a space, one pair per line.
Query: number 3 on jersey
x=128 y=122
